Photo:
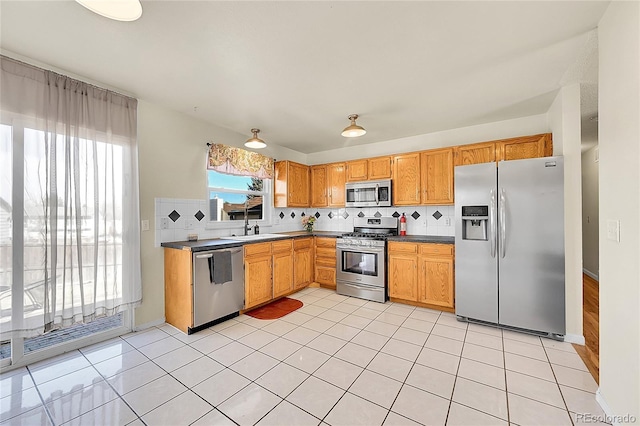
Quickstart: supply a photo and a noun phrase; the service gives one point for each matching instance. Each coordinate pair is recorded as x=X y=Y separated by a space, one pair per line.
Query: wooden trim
x=422 y=305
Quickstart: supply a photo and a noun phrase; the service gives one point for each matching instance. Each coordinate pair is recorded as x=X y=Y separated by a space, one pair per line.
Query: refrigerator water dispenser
x=475 y=221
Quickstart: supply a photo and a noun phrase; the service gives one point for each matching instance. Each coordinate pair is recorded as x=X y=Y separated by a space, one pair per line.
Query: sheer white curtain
x=72 y=202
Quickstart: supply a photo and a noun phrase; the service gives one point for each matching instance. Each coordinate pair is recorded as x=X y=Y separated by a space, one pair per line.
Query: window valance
x=240 y=162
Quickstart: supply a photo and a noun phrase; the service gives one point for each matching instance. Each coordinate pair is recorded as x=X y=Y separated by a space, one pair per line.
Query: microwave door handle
x=377 y=189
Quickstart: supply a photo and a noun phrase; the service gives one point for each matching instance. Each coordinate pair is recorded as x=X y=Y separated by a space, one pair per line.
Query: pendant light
x=255 y=142
x=119 y=10
x=353 y=130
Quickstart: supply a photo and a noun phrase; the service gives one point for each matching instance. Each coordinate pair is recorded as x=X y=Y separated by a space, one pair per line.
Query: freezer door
x=476 y=259
x=531 y=244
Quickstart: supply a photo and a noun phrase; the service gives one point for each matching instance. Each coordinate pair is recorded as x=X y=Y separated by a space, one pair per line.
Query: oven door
x=361 y=265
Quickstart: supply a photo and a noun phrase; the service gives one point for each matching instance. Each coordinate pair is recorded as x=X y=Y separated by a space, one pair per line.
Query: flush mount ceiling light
x=255 y=142
x=119 y=10
x=353 y=130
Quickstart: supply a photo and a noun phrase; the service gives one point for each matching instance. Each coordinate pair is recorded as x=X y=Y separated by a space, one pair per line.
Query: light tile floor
x=336 y=361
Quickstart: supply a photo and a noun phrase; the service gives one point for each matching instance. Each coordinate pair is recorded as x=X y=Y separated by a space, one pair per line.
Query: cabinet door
x=282 y=273
x=319 y=186
x=406 y=179
x=302 y=262
x=257 y=280
x=437 y=176
x=336 y=180
x=435 y=281
x=403 y=277
x=476 y=153
x=356 y=170
x=298 y=184
x=524 y=147
x=379 y=168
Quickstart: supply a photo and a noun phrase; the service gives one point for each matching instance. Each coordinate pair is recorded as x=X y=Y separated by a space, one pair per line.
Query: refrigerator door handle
x=503 y=223
x=492 y=223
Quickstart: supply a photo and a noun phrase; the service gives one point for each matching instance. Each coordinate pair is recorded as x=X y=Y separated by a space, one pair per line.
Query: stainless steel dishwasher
x=215 y=300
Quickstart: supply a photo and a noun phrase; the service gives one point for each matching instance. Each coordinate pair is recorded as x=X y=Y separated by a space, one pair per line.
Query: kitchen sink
x=255 y=237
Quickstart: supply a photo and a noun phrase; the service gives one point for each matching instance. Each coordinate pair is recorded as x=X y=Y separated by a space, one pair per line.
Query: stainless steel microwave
x=371 y=193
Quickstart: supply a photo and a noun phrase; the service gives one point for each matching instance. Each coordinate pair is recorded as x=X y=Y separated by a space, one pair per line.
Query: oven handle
x=362 y=250
x=364 y=288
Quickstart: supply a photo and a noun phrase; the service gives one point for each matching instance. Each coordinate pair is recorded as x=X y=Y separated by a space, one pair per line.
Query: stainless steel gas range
x=362 y=258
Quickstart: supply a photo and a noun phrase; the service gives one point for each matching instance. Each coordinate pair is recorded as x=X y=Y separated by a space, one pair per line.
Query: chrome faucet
x=247 y=228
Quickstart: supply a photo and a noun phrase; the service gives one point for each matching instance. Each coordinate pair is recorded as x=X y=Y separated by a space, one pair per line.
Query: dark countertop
x=202 y=245
x=423 y=239
x=219 y=243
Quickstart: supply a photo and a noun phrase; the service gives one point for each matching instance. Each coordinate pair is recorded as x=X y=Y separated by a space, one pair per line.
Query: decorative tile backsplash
x=175 y=219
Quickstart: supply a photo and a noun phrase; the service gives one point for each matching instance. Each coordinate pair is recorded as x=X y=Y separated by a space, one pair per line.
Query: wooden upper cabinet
x=319 y=185
x=357 y=170
x=524 y=147
x=327 y=185
x=290 y=184
x=406 y=179
x=379 y=168
x=336 y=180
x=369 y=169
x=436 y=168
x=476 y=153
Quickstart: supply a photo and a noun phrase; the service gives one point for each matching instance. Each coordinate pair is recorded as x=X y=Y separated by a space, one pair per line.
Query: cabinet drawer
x=300 y=243
x=283 y=245
x=325 y=275
x=326 y=252
x=326 y=261
x=257 y=249
x=325 y=242
x=436 y=249
x=396 y=247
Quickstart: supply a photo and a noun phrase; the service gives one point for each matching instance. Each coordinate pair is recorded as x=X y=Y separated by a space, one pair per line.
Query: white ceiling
x=296 y=70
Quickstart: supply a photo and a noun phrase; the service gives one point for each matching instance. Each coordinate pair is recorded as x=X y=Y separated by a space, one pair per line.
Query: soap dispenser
x=256 y=229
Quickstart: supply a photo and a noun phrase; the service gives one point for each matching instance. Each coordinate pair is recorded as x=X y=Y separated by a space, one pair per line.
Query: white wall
x=172 y=159
x=564 y=121
x=590 y=261
x=619 y=139
x=465 y=135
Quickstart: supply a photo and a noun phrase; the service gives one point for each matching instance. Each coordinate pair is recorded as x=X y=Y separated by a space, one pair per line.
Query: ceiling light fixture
x=255 y=142
x=119 y=10
x=353 y=130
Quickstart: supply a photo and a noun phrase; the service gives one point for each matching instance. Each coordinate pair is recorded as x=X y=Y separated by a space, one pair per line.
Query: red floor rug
x=277 y=309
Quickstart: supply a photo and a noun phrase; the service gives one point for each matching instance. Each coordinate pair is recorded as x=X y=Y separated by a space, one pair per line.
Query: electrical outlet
x=447 y=221
x=164 y=223
x=189 y=224
x=613 y=230
x=145 y=225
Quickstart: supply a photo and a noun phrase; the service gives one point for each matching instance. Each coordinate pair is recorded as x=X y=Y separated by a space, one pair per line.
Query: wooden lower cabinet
x=422 y=274
x=302 y=262
x=325 y=262
x=258 y=284
x=403 y=283
x=282 y=259
x=178 y=288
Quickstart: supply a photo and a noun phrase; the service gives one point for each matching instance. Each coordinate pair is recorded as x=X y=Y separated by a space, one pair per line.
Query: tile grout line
x=44 y=406
x=455 y=379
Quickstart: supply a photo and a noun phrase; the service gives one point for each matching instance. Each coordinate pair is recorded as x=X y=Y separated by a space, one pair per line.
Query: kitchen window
x=230 y=196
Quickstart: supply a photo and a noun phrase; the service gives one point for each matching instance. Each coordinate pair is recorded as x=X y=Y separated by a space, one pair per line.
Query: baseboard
x=578 y=339
x=149 y=324
x=605 y=407
x=590 y=274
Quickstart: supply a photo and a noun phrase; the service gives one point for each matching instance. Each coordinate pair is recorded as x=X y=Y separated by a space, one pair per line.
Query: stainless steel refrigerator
x=509 y=223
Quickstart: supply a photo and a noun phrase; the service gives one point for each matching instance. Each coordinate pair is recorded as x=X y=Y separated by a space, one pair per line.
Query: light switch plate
x=145 y=225
x=613 y=230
